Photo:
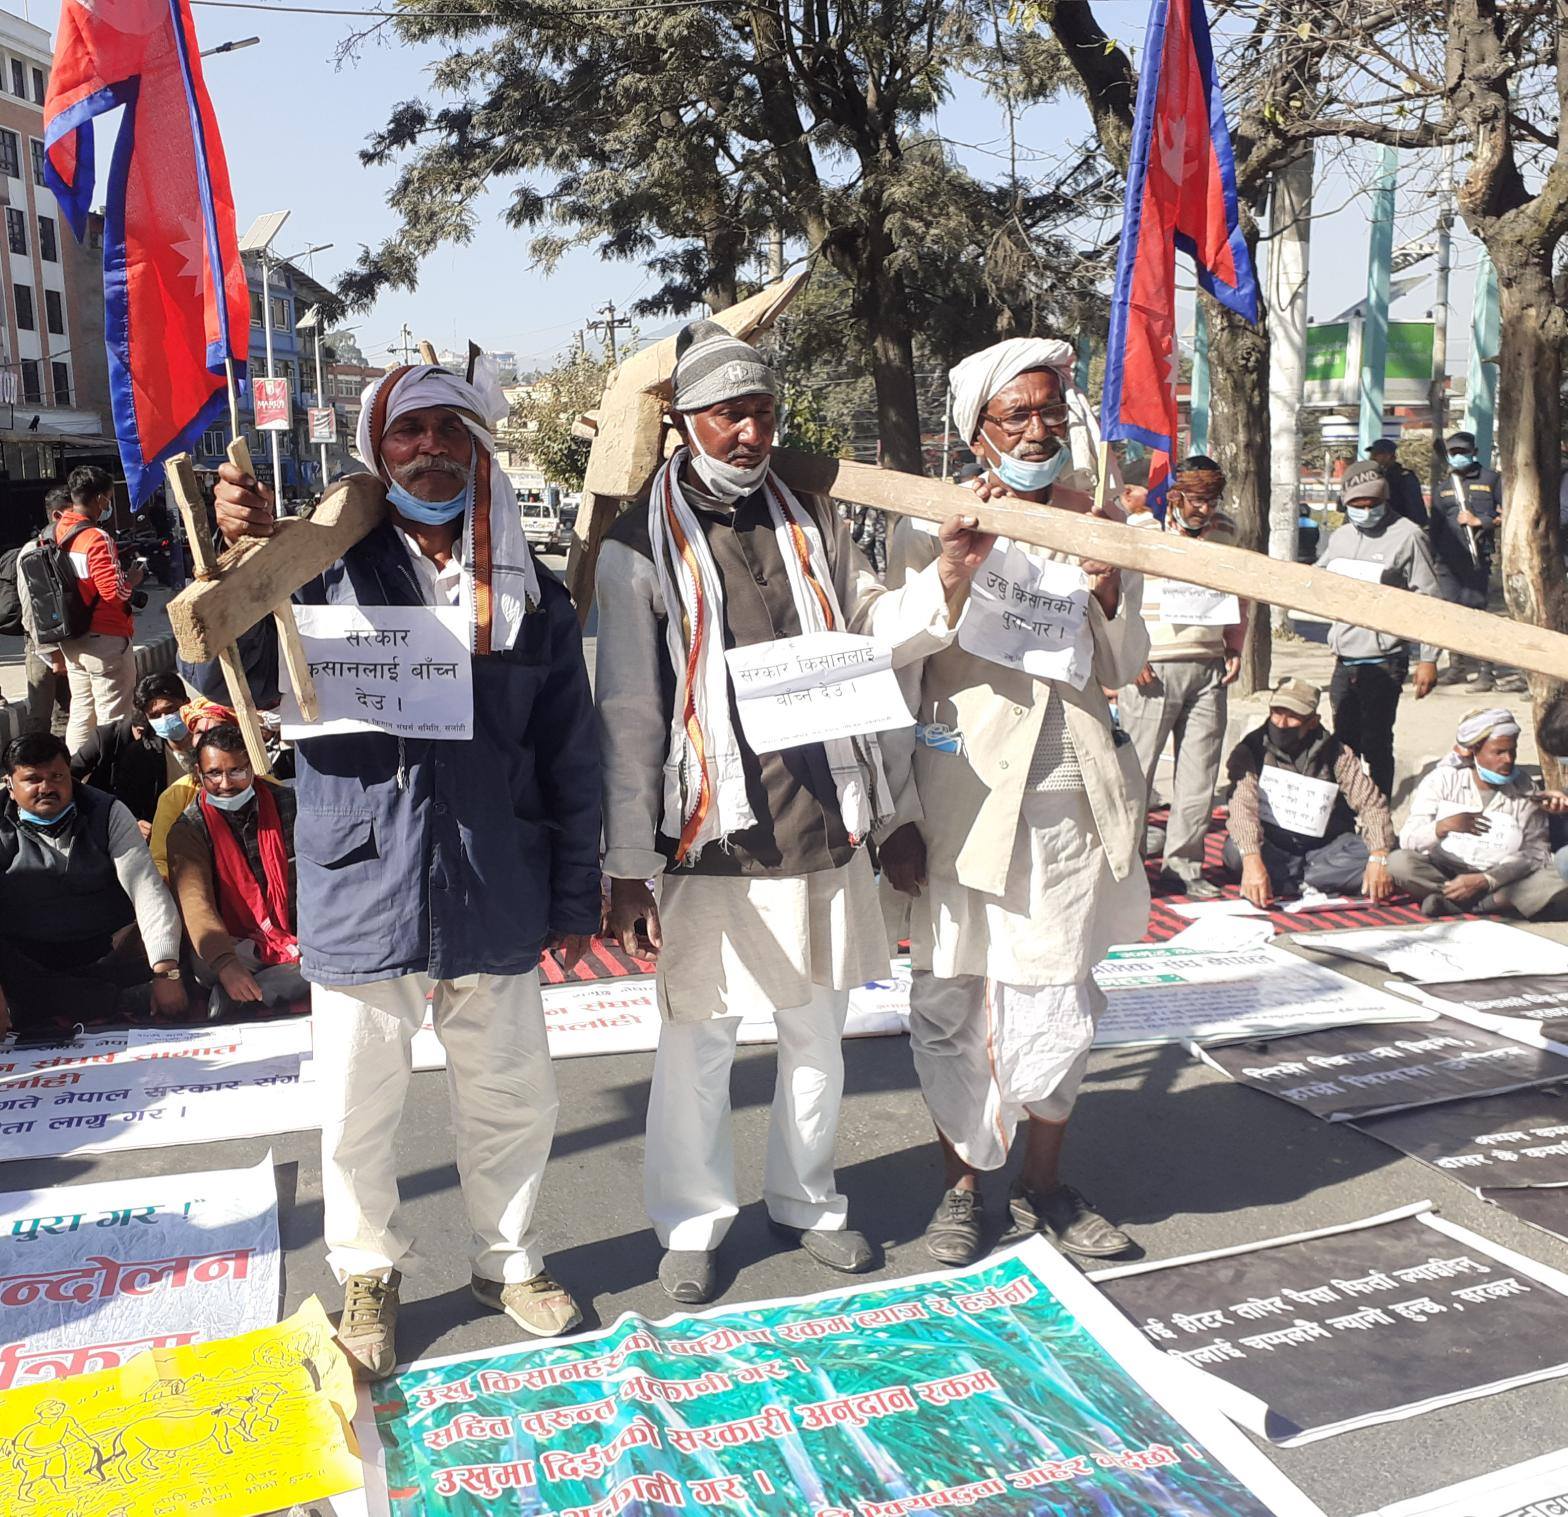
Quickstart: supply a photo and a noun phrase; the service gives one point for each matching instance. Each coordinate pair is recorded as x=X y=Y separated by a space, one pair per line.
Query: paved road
x=1185 y=1159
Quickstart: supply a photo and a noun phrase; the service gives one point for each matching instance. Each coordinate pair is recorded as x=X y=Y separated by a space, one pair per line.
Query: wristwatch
x=167 y=974
x=1378 y=858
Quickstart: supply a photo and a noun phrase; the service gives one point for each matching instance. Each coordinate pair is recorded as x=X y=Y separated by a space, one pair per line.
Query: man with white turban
x=1024 y=852
x=433 y=873
x=1477 y=837
x=762 y=899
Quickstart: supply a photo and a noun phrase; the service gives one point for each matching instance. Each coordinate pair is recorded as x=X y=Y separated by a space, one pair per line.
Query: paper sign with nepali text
x=1449 y=950
x=815 y=688
x=1297 y=802
x=1008 y=1386
x=254 y=1423
x=1179 y=604
x=398 y=669
x=1030 y=614
x=92 y=1275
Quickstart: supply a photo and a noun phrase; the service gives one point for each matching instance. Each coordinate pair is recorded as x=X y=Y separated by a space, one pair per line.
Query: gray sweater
x=1401 y=548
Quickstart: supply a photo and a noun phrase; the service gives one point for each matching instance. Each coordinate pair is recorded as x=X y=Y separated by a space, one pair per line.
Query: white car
x=543 y=527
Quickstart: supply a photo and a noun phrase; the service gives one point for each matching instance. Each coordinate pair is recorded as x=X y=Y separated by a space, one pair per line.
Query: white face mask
x=725 y=480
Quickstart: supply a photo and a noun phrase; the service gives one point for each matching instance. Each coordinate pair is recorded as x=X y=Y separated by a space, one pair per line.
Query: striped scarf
x=704 y=779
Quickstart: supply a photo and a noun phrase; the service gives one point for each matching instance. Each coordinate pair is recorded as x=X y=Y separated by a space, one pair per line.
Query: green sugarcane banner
x=1009 y=1387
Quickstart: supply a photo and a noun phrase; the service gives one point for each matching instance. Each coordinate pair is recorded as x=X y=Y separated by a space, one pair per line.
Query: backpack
x=10 y=597
x=60 y=611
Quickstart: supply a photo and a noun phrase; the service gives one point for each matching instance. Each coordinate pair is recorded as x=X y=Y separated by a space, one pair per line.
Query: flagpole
x=234 y=398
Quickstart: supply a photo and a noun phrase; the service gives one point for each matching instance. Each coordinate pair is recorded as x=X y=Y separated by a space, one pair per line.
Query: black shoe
x=953 y=1234
x=842 y=1249
x=1438 y=905
x=1193 y=886
x=688 y=1275
x=1069 y=1219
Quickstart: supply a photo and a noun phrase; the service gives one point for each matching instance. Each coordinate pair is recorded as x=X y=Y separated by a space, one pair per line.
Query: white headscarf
x=975 y=380
x=509 y=588
x=1476 y=726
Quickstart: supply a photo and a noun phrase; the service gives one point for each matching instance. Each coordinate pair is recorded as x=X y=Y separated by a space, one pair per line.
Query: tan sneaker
x=538 y=1306
x=367 y=1330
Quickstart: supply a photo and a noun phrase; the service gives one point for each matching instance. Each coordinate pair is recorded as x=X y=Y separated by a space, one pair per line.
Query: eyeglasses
x=1016 y=423
x=1182 y=498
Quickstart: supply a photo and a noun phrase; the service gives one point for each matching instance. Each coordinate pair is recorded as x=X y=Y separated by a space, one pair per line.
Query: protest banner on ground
x=398 y=669
x=246 y=1424
x=1164 y=993
x=1345 y=1072
x=1536 y=1488
x=622 y=1016
x=1446 y=951
x=1009 y=1379
x=153 y=1087
x=1509 y=1002
x=1517 y=1139
x=1301 y=1337
x=92 y=1275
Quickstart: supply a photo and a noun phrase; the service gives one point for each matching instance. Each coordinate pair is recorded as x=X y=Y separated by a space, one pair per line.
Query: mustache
x=434 y=464
x=1035 y=452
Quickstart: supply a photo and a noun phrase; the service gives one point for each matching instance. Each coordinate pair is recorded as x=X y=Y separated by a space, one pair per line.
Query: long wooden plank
x=259 y=574
x=1299 y=587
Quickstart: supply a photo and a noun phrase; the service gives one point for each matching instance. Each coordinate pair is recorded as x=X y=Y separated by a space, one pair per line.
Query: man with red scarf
x=231 y=863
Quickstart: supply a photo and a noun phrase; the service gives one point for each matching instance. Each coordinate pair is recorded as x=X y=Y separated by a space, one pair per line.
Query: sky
x=293 y=124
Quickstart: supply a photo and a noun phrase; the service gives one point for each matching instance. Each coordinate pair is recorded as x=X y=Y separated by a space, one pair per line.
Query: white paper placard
x=1296 y=802
x=1364 y=569
x=1029 y=614
x=814 y=688
x=95 y=1274
x=1536 y=1488
x=1184 y=605
x=399 y=669
x=1503 y=838
x=1448 y=950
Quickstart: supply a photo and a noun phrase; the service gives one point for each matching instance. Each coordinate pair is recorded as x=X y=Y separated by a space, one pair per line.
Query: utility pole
x=1374 y=334
x=1437 y=396
x=607 y=325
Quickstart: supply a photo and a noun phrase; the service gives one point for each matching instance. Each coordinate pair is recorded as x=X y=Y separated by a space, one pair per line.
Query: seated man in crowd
x=231 y=864
x=1477 y=837
x=85 y=922
x=136 y=758
x=200 y=716
x=1300 y=795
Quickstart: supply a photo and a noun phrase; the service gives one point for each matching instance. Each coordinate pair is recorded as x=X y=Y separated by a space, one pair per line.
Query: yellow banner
x=223 y=1429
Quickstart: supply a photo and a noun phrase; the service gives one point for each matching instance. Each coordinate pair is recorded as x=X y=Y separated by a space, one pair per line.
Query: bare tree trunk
x=880 y=302
x=1529 y=410
x=1290 y=228
x=1239 y=441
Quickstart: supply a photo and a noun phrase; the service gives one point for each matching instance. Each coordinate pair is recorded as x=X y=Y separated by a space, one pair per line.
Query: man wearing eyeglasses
x=1181 y=694
x=1024 y=864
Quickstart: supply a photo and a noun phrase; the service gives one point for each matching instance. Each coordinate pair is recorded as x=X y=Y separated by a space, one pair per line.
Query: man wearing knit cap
x=762 y=900
x=1022 y=850
x=1181 y=694
x=1304 y=815
x=433 y=874
x=1379 y=547
x=1477 y=837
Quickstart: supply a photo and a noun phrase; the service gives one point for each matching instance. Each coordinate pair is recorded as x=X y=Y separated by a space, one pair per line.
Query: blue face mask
x=45 y=821
x=1029 y=475
x=431 y=513
x=172 y=727
x=1492 y=777
x=1460 y=461
x=1365 y=517
x=233 y=802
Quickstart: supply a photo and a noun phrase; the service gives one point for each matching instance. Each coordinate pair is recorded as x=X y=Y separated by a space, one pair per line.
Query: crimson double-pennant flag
x=176 y=301
x=1181 y=193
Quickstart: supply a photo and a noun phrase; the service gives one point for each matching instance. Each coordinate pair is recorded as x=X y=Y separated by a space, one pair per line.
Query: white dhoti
x=1003 y=1003
x=733 y=945
x=503 y=1101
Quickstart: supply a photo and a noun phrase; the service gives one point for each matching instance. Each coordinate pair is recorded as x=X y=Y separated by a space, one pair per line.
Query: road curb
x=151 y=658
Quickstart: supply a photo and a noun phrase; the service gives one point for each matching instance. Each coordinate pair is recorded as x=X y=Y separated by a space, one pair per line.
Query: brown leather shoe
x=367 y=1330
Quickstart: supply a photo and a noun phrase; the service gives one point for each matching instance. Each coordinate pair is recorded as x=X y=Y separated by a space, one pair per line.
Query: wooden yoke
x=256 y=577
x=628 y=431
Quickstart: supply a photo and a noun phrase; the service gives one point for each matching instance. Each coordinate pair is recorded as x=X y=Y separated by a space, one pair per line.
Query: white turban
x=974 y=381
x=1476 y=726
x=500 y=580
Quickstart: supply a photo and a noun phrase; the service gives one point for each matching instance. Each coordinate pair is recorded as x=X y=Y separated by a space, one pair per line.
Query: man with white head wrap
x=1477 y=837
x=763 y=898
x=1023 y=852
x=432 y=874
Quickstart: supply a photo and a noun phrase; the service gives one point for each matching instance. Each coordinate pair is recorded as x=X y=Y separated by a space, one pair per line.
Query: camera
x=138 y=600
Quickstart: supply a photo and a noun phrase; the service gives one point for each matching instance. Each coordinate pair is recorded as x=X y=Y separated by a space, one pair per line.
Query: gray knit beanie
x=712 y=365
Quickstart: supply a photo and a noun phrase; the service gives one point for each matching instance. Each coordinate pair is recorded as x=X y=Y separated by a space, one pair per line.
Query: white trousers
x=101 y=674
x=503 y=1099
x=689 y=1164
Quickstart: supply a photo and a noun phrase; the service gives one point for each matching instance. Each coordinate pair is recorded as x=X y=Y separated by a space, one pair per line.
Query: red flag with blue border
x=1181 y=193
x=176 y=300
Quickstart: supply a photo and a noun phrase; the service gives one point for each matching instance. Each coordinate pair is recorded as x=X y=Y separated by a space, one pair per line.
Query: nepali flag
x=1181 y=192
x=177 y=304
